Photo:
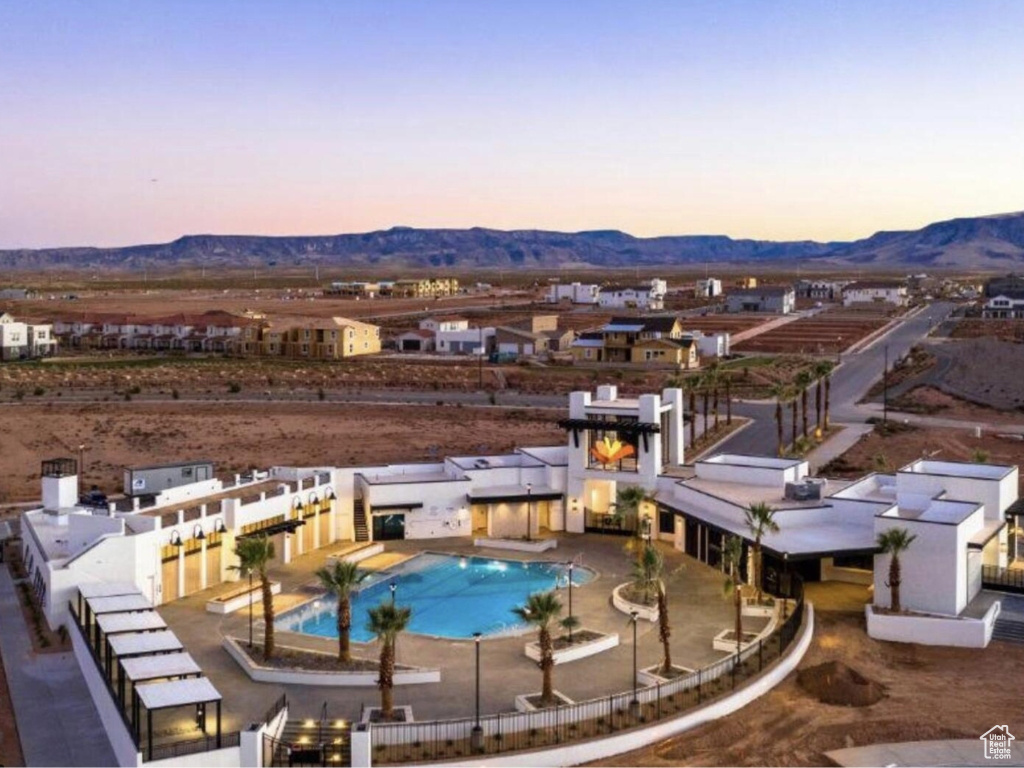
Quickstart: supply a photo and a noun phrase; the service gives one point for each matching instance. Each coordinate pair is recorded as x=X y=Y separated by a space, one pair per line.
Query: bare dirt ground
x=823 y=333
x=10 y=746
x=986 y=371
x=928 y=400
x=240 y=436
x=1006 y=330
x=930 y=693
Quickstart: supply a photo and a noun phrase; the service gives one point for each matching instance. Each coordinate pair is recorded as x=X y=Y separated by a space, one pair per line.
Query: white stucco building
x=650 y=295
x=19 y=340
x=575 y=293
x=875 y=292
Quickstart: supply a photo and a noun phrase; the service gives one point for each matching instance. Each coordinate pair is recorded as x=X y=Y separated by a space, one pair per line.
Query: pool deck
x=698 y=608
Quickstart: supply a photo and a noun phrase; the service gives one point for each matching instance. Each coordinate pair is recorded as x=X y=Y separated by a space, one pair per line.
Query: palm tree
x=628 y=500
x=690 y=384
x=386 y=622
x=760 y=519
x=705 y=387
x=804 y=379
x=779 y=391
x=254 y=556
x=732 y=554
x=339 y=582
x=647 y=573
x=714 y=381
x=792 y=395
x=828 y=394
x=822 y=369
x=540 y=610
x=728 y=399
x=655 y=569
x=892 y=542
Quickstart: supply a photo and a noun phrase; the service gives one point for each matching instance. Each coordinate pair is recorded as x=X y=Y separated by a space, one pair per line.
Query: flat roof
x=936 y=511
x=107 y=589
x=959 y=469
x=552 y=455
x=743 y=494
x=412 y=477
x=140 y=621
x=142 y=643
x=162 y=665
x=173 y=465
x=874 y=488
x=119 y=604
x=487 y=462
x=751 y=460
x=177 y=693
x=516 y=493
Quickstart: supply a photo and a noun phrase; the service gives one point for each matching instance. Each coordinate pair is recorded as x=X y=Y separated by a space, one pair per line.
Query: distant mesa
x=983 y=242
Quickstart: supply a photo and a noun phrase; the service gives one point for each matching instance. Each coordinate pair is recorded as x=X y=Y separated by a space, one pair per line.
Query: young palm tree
x=822 y=370
x=804 y=379
x=254 y=556
x=828 y=395
x=760 y=519
x=728 y=399
x=714 y=382
x=339 y=582
x=732 y=554
x=540 y=610
x=779 y=391
x=892 y=542
x=647 y=573
x=386 y=622
x=628 y=500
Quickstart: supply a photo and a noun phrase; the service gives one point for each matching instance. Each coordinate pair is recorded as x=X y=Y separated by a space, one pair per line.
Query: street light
x=477 y=736
x=635 y=703
x=529 y=505
x=393 y=586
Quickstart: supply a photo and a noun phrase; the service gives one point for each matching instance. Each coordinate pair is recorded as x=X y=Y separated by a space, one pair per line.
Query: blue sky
x=821 y=120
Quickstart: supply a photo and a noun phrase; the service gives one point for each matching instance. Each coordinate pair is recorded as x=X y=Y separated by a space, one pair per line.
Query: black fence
x=393 y=743
x=1002 y=579
x=607 y=522
x=194 y=746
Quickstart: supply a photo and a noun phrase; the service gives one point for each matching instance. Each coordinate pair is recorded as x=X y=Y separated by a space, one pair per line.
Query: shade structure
x=142 y=643
x=138 y=621
x=164 y=665
x=108 y=589
x=118 y=604
x=177 y=693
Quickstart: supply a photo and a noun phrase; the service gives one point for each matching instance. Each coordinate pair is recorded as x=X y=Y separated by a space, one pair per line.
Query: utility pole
x=885 y=388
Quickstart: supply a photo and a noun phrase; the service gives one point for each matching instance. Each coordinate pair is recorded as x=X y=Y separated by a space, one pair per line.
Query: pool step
x=359 y=520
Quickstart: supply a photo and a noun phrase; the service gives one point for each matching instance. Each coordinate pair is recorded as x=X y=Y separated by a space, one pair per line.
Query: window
x=186 y=471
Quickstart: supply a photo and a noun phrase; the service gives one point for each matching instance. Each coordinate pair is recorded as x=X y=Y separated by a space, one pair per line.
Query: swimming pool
x=450 y=596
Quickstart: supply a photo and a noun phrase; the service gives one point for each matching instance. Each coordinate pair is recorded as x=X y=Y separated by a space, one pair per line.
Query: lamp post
x=839 y=349
x=786 y=583
x=569 y=587
x=529 y=507
x=393 y=586
x=885 y=387
x=635 y=703
x=81 y=467
x=477 y=736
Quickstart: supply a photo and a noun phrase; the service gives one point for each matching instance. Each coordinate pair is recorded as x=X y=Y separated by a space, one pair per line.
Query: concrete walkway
x=57 y=721
x=837 y=445
x=923 y=753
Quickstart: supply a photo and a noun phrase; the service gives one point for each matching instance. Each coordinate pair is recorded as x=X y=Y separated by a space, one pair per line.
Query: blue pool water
x=450 y=596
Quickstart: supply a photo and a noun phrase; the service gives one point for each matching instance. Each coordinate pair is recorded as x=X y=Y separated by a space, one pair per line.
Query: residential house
x=355 y=289
x=875 y=292
x=1004 y=306
x=575 y=293
x=638 y=340
x=820 y=290
x=708 y=288
x=746 y=283
x=780 y=299
x=422 y=288
x=710 y=345
x=21 y=340
x=646 y=296
x=332 y=338
x=415 y=340
x=453 y=335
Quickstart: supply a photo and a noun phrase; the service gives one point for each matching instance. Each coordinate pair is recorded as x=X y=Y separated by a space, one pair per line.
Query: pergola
x=110 y=624
x=154 y=697
x=97 y=606
x=140 y=644
x=145 y=669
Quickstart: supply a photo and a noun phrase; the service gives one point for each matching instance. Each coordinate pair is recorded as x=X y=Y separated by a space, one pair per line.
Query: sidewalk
x=837 y=444
x=923 y=753
x=57 y=721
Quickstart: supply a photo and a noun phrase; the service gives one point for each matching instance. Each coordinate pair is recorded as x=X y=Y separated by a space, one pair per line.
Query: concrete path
x=57 y=721
x=771 y=325
x=924 y=753
x=837 y=444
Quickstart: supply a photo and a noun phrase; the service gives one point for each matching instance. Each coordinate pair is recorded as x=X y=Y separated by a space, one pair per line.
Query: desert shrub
x=174 y=394
x=234 y=387
x=39 y=391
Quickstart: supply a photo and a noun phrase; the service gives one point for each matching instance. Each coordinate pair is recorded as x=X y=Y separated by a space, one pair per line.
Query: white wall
x=933 y=630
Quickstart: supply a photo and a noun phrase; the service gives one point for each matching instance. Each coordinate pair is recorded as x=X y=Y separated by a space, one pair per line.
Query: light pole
x=81 y=467
x=393 y=586
x=529 y=508
x=786 y=584
x=569 y=587
x=839 y=349
x=635 y=703
x=885 y=387
x=477 y=737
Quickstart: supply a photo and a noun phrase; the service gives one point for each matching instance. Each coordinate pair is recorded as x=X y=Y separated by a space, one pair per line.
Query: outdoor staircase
x=312 y=742
x=1010 y=630
x=359 y=519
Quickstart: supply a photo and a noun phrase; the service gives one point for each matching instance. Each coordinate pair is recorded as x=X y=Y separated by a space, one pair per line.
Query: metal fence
x=194 y=746
x=1003 y=579
x=452 y=739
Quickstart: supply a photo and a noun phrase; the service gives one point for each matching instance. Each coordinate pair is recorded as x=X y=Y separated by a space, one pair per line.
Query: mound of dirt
x=835 y=683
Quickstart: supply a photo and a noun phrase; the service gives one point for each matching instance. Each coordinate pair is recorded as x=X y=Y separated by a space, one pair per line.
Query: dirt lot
x=930 y=693
x=986 y=371
x=931 y=401
x=824 y=333
x=1007 y=330
x=245 y=435
x=876 y=452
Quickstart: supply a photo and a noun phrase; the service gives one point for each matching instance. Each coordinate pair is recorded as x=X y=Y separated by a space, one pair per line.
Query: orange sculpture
x=608 y=451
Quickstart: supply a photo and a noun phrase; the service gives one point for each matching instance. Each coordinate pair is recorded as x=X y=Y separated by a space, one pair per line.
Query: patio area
x=698 y=611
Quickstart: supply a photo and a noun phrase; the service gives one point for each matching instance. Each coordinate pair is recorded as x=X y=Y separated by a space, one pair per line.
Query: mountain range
x=984 y=242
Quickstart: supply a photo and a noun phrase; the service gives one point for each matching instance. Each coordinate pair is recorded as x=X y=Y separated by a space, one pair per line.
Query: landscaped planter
x=523 y=703
x=520 y=545
x=297 y=676
x=754 y=609
x=234 y=601
x=401 y=714
x=652 y=676
x=578 y=650
x=726 y=641
x=360 y=554
x=645 y=612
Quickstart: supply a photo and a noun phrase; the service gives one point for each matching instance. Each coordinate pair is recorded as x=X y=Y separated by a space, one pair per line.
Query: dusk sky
x=131 y=122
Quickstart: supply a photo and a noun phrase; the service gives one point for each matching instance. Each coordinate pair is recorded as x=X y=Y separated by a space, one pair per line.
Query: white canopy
x=119 y=604
x=161 y=665
x=108 y=589
x=139 y=643
x=177 y=693
x=140 y=621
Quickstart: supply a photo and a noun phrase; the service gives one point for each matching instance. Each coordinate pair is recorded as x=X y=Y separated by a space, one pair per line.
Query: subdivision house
x=574 y=293
x=875 y=292
x=1008 y=305
x=22 y=340
x=820 y=290
x=708 y=288
x=780 y=299
x=965 y=516
x=353 y=289
x=415 y=340
x=532 y=336
x=710 y=345
x=454 y=336
x=422 y=288
x=213 y=331
x=655 y=340
x=333 y=338
x=644 y=296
